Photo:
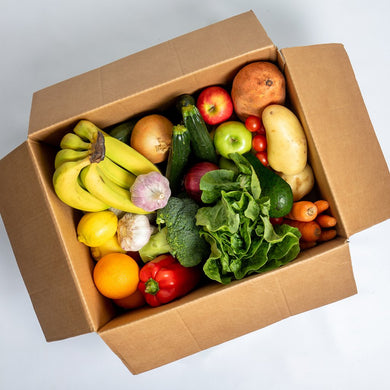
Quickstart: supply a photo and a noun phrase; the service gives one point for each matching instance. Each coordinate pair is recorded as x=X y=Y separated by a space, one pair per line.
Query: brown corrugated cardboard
x=325 y=95
x=140 y=83
x=60 y=286
x=215 y=314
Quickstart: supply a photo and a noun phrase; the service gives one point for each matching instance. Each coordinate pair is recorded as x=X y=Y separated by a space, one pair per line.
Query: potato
x=255 y=86
x=286 y=140
x=301 y=183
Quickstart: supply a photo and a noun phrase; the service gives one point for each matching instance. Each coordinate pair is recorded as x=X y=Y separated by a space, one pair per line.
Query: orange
x=116 y=275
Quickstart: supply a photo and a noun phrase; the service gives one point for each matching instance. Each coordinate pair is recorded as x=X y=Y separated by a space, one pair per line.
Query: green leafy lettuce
x=236 y=224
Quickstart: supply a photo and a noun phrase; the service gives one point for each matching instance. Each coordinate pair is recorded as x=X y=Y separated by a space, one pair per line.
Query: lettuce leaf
x=236 y=225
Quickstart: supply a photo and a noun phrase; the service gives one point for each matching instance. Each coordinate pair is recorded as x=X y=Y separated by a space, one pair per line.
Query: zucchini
x=184 y=100
x=178 y=157
x=122 y=131
x=201 y=142
x=273 y=186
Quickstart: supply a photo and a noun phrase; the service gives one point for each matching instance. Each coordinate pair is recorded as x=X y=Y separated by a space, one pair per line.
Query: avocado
x=273 y=186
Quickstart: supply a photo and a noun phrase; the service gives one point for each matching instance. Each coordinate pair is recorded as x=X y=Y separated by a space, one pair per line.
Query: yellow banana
x=113 y=172
x=86 y=130
x=68 y=189
x=64 y=155
x=116 y=173
x=127 y=157
x=81 y=177
x=73 y=141
x=117 y=151
x=107 y=191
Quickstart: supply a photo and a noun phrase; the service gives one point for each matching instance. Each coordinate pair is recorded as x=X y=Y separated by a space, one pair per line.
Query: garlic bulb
x=150 y=191
x=134 y=231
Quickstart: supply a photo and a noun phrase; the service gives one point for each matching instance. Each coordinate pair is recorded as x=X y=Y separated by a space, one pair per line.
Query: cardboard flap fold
x=352 y=170
x=191 y=324
x=39 y=247
x=238 y=39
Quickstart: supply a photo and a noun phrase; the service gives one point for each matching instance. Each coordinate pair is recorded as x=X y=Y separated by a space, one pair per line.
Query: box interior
x=44 y=144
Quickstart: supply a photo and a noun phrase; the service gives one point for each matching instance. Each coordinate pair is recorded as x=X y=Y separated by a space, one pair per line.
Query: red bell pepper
x=164 y=279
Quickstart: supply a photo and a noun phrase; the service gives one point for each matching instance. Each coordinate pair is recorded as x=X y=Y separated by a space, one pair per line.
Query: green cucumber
x=123 y=130
x=201 y=142
x=273 y=186
x=184 y=100
x=178 y=157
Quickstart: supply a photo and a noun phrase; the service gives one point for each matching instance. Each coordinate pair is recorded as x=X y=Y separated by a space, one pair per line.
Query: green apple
x=232 y=137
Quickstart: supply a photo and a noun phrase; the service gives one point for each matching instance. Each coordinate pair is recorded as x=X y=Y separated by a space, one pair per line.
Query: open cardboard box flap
x=214 y=314
x=115 y=92
x=57 y=269
x=61 y=290
x=344 y=151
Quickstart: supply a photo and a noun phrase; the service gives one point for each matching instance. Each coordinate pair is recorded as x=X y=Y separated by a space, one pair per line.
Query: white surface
x=341 y=346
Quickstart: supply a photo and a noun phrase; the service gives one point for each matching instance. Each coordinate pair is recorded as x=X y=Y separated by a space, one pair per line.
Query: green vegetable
x=226 y=163
x=178 y=157
x=273 y=186
x=201 y=141
x=178 y=234
x=184 y=100
x=157 y=245
x=236 y=225
x=123 y=130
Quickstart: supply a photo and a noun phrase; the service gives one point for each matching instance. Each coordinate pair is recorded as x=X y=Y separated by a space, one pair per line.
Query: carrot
x=327 y=235
x=307 y=244
x=322 y=205
x=310 y=231
x=326 y=221
x=304 y=211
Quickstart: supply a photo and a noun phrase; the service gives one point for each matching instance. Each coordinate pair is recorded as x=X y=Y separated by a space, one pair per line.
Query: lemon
x=95 y=228
x=110 y=246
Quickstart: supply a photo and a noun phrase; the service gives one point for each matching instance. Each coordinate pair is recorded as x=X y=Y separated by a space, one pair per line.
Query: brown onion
x=151 y=136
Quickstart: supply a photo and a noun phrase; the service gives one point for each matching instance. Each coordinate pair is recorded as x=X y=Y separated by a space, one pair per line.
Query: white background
x=341 y=346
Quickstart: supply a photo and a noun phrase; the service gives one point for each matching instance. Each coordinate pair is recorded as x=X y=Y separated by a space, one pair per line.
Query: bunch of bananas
x=94 y=171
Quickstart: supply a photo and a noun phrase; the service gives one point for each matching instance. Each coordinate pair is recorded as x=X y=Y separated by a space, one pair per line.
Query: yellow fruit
x=110 y=246
x=95 y=228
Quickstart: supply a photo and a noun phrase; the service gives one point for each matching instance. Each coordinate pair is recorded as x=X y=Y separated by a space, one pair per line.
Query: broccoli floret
x=157 y=245
x=178 y=233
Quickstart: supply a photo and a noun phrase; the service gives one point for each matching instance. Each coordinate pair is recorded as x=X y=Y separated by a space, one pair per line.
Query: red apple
x=215 y=105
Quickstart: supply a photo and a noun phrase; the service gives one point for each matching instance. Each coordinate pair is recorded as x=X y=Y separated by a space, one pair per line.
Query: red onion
x=193 y=176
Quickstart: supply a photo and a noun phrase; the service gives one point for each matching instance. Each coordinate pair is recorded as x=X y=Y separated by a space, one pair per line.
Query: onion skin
x=193 y=176
x=152 y=136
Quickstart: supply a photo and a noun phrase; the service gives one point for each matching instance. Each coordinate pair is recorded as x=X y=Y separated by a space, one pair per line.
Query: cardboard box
x=57 y=269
